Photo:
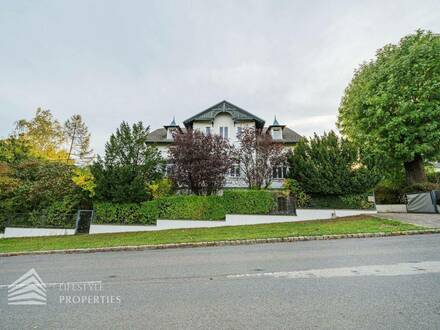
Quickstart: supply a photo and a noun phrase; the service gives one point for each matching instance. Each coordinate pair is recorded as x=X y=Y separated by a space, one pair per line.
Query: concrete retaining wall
x=32 y=232
x=231 y=220
x=391 y=208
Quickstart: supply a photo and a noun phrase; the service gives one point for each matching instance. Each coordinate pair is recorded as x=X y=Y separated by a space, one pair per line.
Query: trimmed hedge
x=248 y=201
x=184 y=207
x=192 y=208
x=340 y=202
x=144 y=213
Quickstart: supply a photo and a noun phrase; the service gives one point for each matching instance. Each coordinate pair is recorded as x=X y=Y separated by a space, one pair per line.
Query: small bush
x=192 y=207
x=248 y=201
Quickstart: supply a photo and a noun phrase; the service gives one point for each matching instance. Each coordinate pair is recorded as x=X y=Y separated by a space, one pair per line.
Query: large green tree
x=128 y=166
x=330 y=165
x=392 y=106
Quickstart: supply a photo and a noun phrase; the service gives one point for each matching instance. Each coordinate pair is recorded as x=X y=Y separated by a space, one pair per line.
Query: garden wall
x=33 y=232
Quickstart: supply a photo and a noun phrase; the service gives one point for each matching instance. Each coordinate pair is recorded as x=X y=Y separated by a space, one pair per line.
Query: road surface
x=374 y=283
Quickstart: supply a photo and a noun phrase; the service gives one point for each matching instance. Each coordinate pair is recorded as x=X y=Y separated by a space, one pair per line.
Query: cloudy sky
x=150 y=60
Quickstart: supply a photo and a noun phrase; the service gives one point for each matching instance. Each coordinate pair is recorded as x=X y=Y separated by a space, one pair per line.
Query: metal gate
x=83 y=221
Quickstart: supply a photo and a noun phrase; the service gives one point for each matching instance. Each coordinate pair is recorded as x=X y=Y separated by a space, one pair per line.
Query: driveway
x=375 y=283
x=420 y=219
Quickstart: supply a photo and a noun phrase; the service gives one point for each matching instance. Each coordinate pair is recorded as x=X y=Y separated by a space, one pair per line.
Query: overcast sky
x=150 y=60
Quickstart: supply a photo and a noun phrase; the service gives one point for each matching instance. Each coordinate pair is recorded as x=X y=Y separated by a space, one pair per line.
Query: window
x=224 y=132
x=208 y=130
x=279 y=172
x=277 y=134
x=235 y=171
x=239 y=130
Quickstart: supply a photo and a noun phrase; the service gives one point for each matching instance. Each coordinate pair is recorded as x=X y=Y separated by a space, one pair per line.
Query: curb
x=223 y=243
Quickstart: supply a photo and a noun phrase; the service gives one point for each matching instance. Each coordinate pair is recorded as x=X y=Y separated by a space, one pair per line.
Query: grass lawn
x=348 y=225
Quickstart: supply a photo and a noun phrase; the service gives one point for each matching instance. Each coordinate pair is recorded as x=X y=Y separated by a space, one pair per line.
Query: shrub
x=434 y=177
x=192 y=207
x=301 y=198
x=248 y=201
x=160 y=188
x=126 y=213
x=355 y=201
x=385 y=194
x=420 y=187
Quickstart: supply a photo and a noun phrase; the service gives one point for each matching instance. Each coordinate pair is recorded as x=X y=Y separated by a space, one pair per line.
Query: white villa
x=228 y=120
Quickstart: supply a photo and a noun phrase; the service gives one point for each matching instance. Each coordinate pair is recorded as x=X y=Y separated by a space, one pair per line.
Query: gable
x=238 y=114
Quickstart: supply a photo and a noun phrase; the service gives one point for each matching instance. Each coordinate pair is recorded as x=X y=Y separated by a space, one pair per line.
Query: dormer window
x=172 y=129
x=170 y=133
x=277 y=133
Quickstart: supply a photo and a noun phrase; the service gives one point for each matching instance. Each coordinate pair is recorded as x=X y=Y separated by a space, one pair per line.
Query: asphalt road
x=380 y=283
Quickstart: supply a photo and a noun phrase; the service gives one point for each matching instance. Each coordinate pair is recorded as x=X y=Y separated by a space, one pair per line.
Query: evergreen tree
x=128 y=166
x=329 y=165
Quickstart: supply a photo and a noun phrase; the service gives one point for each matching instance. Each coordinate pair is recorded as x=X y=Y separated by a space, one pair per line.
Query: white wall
x=32 y=232
x=391 y=208
x=231 y=220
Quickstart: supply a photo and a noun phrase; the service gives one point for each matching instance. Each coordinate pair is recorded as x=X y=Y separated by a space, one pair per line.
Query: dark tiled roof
x=160 y=136
x=237 y=113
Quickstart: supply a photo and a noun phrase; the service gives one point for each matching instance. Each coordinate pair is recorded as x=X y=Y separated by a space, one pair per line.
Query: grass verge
x=348 y=225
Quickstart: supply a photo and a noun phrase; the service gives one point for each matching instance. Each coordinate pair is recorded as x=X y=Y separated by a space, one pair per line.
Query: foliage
x=192 y=208
x=40 y=191
x=434 y=177
x=257 y=154
x=420 y=187
x=330 y=165
x=160 y=188
x=128 y=166
x=241 y=201
x=391 y=106
x=44 y=135
x=14 y=150
x=388 y=194
x=201 y=161
x=144 y=213
x=294 y=188
x=352 y=201
x=84 y=179
x=77 y=137
x=40 y=184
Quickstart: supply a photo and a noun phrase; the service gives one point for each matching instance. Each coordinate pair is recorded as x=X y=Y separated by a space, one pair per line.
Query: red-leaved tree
x=200 y=161
x=257 y=154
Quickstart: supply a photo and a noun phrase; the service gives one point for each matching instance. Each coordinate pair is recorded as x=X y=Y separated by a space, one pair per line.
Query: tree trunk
x=414 y=170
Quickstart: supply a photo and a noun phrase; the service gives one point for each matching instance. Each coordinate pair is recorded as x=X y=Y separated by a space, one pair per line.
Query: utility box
x=426 y=202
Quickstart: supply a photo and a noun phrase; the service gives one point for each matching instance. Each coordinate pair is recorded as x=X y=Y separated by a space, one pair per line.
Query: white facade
x=227 y=120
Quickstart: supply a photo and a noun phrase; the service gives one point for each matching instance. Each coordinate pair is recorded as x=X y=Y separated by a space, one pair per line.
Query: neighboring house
x=227 y=120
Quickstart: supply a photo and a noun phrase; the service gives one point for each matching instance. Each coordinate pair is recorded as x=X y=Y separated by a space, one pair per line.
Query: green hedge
x=248 y=201
x=185 y=207
x=192 y=207
x=340 y=202
x=126 y=213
